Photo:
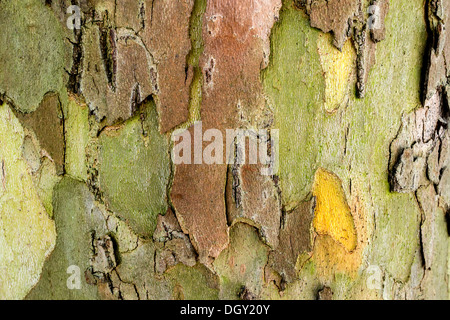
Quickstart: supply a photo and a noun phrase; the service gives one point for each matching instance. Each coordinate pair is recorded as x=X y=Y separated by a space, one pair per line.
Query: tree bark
x=347 y=99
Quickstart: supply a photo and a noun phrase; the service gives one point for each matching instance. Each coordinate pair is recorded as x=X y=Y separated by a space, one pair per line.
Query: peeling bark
x=93 y=206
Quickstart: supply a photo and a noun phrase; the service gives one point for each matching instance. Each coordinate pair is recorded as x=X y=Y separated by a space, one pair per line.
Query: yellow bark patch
x=27 y=234
x=331 y=258
x=332 y=214
x=337 y=67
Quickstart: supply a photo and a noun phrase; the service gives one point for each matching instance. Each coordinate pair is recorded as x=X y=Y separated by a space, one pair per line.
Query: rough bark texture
x=360 y=203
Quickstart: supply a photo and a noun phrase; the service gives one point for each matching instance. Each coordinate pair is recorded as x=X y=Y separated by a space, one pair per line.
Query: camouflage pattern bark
x=92 y=205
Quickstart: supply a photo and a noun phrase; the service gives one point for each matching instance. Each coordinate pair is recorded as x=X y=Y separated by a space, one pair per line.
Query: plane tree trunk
x=349 y=97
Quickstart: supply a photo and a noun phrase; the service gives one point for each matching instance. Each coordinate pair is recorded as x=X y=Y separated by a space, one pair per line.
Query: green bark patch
x=32 y=53
x=134 y=169
x=193 y=283
x=76 y=222
x=296 y=89
x=241 y=265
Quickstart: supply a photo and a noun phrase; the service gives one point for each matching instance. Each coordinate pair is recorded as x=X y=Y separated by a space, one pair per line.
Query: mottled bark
x=94 y=206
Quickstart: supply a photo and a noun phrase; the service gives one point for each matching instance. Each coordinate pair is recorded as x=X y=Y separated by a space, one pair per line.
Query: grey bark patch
x=30 y=154
x=437 y=66
x=416 y=151
x=103 y=260
x=409 y=172
x=365 y=59
x=379 y=13
x=333 y=16
x=116 y=62
x=433 y=168
x=176 y=246
x=434 y=239
x=444 y=186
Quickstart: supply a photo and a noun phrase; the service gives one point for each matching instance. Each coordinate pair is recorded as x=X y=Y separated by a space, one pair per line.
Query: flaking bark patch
x=118 y=77
x=27 y=234
x=166 y=35
x=235 y=34
x=47 y=122
x=295 y=239
x=176 y=245
x=356 y=19
x=415 y=152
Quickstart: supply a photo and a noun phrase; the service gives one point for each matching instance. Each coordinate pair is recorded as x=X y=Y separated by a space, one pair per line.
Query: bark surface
x=93 y=205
